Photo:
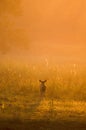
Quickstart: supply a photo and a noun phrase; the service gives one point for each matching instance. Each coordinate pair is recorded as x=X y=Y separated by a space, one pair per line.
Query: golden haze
x=52 y=28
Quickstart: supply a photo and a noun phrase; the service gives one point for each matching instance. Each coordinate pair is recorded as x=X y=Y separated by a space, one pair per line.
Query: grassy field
x=62 y=108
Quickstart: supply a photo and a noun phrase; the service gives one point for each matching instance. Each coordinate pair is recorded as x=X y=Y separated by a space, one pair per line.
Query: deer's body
x=42 y=87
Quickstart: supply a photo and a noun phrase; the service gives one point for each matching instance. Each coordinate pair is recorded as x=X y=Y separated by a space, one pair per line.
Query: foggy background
x=34 y=30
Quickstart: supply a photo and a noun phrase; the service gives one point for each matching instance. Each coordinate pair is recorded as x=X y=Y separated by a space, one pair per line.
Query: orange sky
x=54 y=28
x=60 y=21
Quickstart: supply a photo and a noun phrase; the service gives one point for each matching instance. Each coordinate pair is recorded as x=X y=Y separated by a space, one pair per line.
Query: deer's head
x=42 y=81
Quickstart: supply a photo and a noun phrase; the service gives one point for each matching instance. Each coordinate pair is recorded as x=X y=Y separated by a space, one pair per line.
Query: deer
x=42 y=87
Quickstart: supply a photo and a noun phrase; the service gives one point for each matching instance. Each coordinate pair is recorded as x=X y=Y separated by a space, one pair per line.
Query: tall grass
x=64 y=82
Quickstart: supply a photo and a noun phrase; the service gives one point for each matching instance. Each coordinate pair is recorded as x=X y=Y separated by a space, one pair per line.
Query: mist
x=34 y=30
x=12 y=32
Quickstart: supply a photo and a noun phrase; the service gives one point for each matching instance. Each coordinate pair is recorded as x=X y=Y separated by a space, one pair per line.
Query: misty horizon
x=35 y=30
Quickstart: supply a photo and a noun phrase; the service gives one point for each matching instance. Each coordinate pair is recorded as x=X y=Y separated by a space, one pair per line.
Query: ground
x=42 y=114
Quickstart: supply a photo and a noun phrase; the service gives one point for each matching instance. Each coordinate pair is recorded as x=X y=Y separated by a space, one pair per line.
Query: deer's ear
x=40 y=81
x=45 y=81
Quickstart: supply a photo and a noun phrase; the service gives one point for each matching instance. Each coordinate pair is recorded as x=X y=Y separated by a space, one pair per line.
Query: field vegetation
x=65 y=98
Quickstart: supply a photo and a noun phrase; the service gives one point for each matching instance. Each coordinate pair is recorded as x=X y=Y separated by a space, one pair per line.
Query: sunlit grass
x=65 y=96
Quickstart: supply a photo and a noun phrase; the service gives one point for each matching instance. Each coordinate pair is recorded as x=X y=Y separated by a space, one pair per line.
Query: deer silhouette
x=42 y=87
